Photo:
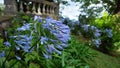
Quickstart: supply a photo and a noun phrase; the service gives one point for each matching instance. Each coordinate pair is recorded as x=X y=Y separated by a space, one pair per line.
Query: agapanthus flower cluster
x=97 y=34
x=23 y=42
x=94 y=33
x=48 y=35
x=62 y=34
x=96 y=39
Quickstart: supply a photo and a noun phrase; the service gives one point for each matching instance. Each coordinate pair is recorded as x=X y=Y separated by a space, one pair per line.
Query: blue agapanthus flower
x=109 y=32
x=17 y=48
x=37 y=18
x=23 y=42
x=7 y=43
x=97 y=42
x=59 y=47
x=51 y=49
x=64 y=45
x=93 y=27
x=97 y=33
x=2 y=54
x=24 y=27
x=43 y=40
x=47 y=56
x=18 y=58
x=85 y=27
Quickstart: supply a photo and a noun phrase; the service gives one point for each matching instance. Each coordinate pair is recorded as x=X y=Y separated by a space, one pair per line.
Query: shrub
x=43 y=38
x=41 y=43
x=103 y=32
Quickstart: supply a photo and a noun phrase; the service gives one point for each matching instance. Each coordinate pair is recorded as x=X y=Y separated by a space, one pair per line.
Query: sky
x=71 y=11
x=2 y=1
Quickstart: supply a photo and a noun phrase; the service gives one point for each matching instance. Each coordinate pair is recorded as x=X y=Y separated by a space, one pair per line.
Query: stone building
x=43 y=8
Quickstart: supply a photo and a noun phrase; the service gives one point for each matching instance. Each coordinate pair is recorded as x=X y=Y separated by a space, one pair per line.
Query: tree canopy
x=92 y=8
x=112 y=6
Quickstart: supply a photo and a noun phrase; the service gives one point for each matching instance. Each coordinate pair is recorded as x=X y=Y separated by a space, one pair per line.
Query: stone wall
x=10 y=6
x=44 y=8
x=5 y=23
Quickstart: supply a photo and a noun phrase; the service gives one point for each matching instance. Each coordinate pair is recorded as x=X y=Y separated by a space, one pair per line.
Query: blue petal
x=7 y=43
x=2 y=54
x=18 y=58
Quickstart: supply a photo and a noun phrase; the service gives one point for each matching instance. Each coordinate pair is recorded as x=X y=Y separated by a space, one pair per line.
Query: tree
x=92 y=8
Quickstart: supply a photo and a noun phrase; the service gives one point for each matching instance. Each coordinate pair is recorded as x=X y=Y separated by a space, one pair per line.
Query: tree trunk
x=117 y=7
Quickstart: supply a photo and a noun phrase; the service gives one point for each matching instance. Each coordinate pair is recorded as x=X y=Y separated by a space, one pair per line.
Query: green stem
x=13 y=64
x=6 y=57
x=63 y=59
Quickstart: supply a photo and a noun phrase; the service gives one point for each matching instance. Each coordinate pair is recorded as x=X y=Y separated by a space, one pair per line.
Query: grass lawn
x=101 y=60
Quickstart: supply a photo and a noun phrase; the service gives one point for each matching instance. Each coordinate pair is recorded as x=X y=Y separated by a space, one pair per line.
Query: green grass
x=101 y=60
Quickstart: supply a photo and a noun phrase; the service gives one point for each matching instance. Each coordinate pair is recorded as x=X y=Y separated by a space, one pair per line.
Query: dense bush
x=103 y=32
x=109 y=24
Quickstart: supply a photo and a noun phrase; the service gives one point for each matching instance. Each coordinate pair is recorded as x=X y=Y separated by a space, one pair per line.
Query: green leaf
x=33 y=65
x=63 y=60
